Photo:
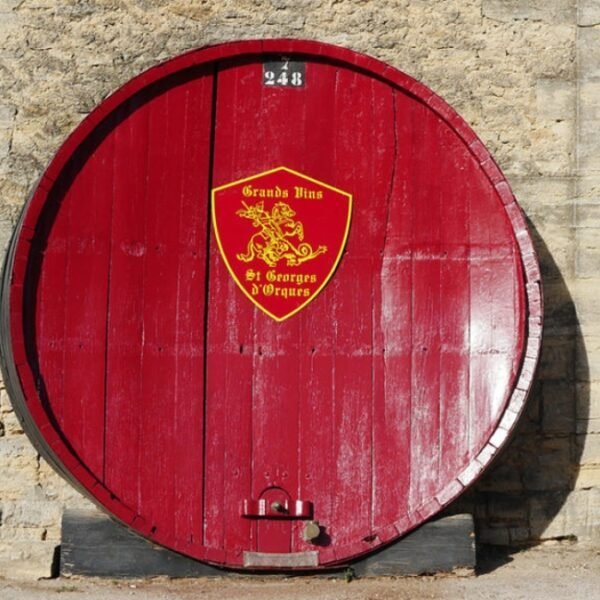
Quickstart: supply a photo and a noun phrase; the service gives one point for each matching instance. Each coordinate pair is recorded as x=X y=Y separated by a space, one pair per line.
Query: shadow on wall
x=528 y=493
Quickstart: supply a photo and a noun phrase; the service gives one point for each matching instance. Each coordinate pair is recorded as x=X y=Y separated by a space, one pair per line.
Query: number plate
x=284 y=73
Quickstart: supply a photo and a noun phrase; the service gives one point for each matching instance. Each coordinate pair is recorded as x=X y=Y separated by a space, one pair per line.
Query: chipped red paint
x=150 y=379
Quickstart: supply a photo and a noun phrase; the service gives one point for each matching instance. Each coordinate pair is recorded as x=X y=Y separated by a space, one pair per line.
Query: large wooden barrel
x=272 y=304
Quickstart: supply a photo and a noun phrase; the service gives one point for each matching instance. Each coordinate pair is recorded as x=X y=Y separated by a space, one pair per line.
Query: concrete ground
x=553 y=570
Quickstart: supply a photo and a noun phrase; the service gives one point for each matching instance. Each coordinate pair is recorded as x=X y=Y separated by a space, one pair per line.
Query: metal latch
x=293 y=509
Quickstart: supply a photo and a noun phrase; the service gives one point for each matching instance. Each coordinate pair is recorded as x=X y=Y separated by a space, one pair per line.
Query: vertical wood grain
x=426 y=306
x=455 y=304
x=125 y=321
x=230 y=356
x=176 y=215
x=190 y=341
x=85 y=298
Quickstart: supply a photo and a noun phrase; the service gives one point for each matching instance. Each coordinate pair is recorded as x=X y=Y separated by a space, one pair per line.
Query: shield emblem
x=281 y=234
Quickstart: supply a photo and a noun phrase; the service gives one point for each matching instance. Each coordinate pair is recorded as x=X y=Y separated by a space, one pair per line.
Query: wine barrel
x=271 y=305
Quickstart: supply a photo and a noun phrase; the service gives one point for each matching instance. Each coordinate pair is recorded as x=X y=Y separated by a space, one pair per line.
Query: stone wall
x=524 y=73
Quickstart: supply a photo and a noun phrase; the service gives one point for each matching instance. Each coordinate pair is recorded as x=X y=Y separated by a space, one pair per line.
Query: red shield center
x=281 y=235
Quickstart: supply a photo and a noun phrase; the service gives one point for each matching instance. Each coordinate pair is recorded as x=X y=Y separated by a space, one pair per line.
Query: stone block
x=5 y=142
x=190 y=10
x=582 y=514
x=547 y=11
x=587 y=214
x=588 y=188
x=588 y=147
x=588 y=358
x=18 y=462
x=19 y=533
x=12 y=425
x=588 y=13
x=554 y=136
x=558 y=407
x=589 y=103
x=34 y=510
x=551 y=529
x=560 y=318
x=588 y=400
x=556 y=253
x=55 y=488
x=16 y=448
x=557 y=360
x=553 y=148
x=588 y=447
x=535 y=193
x=507 y=509
x=549 y=218
x=593 y=512
x=496 y=536
x=7 y=115
x=519 y=535
x=588 y=477
x=587 y=252
x=530 y=421
x=546 y=517
x=555 y=100
x=585 y=297
x=548 y=204
x=577 y=514
x=548 y=466
x=27 y=560
x=6 y=228
x=36 y=514
x=7 y=6
x=16 y=479
x=8 y=23
x=588 y=41
x=5 y=405
x=584 y=426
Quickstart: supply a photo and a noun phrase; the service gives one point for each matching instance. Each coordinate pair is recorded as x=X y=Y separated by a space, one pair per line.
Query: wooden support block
x=95 y=545
x=442 y=546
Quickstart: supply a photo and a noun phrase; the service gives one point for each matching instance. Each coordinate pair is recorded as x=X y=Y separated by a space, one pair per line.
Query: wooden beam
x=95 y=545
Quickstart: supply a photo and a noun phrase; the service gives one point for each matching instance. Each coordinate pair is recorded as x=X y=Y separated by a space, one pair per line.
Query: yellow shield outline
x=335 y=264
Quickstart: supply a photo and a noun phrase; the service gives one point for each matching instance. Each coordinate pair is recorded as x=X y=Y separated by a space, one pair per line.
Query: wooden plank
x=230 y=355
x=176 y=218
x=425 y=383
x=455 y=309
x=368 y=174
x=85 y=297
x=392 y=451
x=158 y=397
x=441 y=546
x=94 y=545
x=317 y=356
x=190 y=336
x=50 y=258
x=288 y=560
x=497 y=321
x=125 y=323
